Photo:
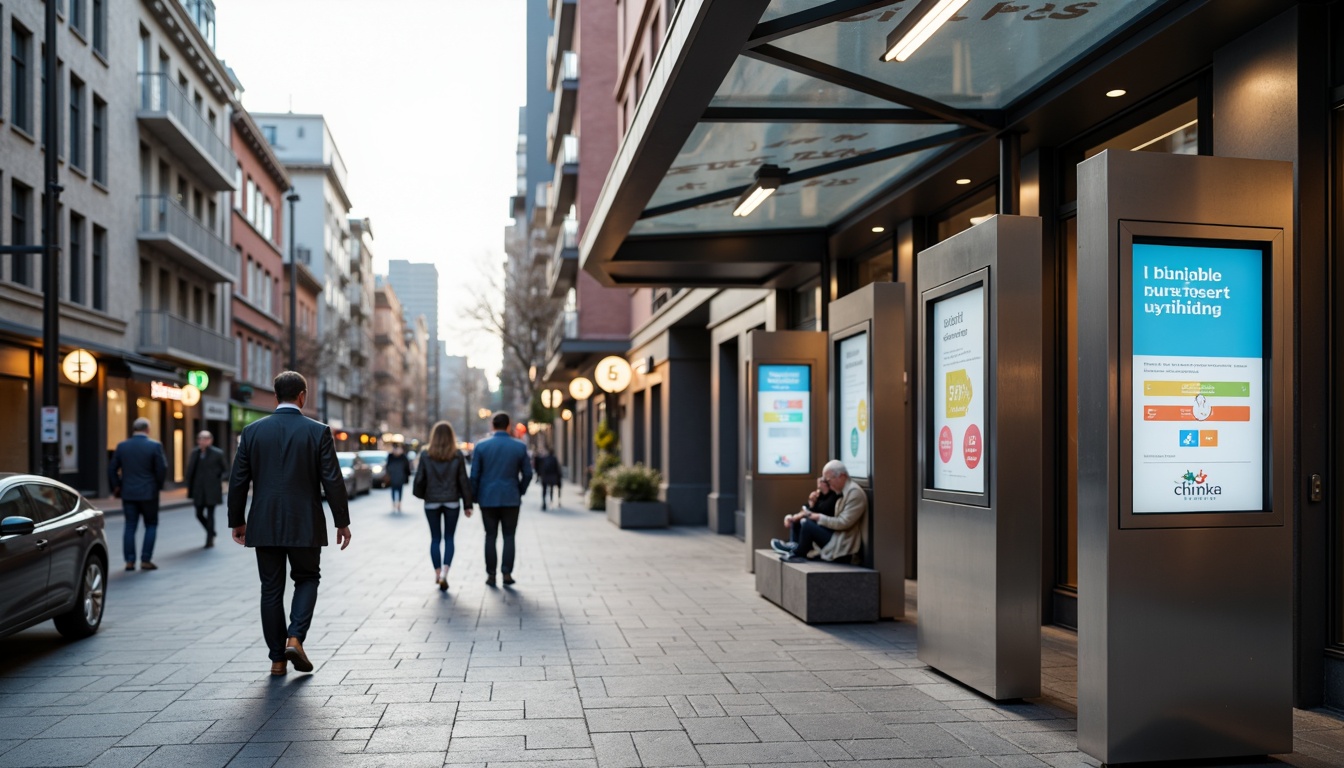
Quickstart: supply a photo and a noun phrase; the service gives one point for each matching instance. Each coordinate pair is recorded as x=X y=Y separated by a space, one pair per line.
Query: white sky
x=422 y=98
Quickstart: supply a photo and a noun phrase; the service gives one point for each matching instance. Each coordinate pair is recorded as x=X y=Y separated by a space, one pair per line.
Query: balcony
x=566 y=182
x=167 y=225
x=564 y=265
x=167 y=113
x=164 y=334
x=566 y=327
x=561 y=120
x=562 y=35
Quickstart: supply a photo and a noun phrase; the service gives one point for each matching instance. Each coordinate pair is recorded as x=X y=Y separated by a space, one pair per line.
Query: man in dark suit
x=500 y=472
x=205 y=472
x=287 y=460
x=137 y=471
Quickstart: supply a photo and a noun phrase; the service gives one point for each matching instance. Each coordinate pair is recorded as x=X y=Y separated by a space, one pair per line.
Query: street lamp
x=293 y=197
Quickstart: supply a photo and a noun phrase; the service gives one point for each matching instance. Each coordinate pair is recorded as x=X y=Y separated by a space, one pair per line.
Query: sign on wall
x=854 y=439
x=784 y=419
x=957 y=361
x=1198 y=404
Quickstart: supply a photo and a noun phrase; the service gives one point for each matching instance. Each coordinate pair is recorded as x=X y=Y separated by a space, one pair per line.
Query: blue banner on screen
x=783 y=419
x=1198 y=379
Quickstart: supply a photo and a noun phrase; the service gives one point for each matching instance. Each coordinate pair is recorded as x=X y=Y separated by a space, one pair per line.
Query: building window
x=99 y=140
x=76 y=258
x=76 y=122
x=20 y=95
x=268 y=220
x=20 y=214
x=237 y=192
x=100 y=26
x=99 y=268
x=77 y=13
x=269 y=132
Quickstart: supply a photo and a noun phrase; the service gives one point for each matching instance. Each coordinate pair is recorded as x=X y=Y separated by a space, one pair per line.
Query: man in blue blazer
x=500 y=473
x=137 y=471
x=287 y=460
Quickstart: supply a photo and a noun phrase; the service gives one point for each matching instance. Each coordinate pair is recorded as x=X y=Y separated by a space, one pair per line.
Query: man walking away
x=500 y=473
x=550 y=474
x=205 y=472
x=137 y=471
x=287 y=459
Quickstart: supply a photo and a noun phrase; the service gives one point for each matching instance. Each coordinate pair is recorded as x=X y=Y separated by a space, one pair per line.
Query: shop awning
x=802 y=85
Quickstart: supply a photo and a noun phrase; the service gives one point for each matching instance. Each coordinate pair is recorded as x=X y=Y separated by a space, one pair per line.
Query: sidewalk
x=173 y=498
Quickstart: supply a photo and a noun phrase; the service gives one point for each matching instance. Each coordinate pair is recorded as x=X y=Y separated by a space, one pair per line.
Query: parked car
x=53 y=557
x=358 y=476
x=377 y=461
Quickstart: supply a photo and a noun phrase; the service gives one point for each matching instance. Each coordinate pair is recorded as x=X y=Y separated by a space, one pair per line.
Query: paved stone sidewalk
x=616 y=649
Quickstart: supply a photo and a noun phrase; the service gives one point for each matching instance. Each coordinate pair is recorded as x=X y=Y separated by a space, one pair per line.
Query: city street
x=615 y=649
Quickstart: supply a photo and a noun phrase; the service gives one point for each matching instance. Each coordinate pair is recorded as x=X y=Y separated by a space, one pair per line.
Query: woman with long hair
x=441 y=480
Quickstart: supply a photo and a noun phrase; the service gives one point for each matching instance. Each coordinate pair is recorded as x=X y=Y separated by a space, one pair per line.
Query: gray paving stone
x=665 y=748
x=641 y=719
x=122 y=757
x=850 y=725
x=615 y=750
x=176 y=732
x=39 y=753
x=195 y=755
x=718 y=730
x=769 y=753
x=771 y=728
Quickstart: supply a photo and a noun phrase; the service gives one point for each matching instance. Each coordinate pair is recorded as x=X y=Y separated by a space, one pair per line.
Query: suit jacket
x=204 y=475
x=848 y=523
x=500 y=471
x=287 y=459
x=138 y=468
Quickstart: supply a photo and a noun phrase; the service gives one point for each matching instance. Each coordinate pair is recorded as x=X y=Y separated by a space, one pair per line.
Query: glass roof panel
x=756 y=83
x=720 y=156
x=988 y=55
x=811 y=203
x=780 y=8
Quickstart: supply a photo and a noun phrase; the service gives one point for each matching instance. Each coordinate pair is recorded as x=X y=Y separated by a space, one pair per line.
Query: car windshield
x=373 y=457
x=347 y=459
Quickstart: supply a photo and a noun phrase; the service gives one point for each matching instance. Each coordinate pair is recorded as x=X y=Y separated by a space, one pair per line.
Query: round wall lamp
x=80 y=366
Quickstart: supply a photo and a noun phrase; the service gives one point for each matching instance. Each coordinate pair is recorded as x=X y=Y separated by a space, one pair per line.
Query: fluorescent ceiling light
x=918 y=26
x=768 y=179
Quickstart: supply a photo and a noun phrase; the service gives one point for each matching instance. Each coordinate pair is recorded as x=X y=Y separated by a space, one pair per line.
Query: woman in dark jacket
x=441 y=480
x=398 y=472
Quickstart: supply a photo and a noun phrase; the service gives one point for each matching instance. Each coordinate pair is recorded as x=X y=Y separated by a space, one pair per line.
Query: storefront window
x=14 y=407
x=878 y=269
x=965 y=216
x=118 y=423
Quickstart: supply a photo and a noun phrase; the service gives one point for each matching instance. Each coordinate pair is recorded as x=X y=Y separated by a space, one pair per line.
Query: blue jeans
x=396 y=493
x=133 y=511
x=806 y=533
x=442 y=526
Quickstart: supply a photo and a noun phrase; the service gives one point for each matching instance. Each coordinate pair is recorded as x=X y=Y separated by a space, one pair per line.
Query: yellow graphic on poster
x=959 y=393
x=862 y=416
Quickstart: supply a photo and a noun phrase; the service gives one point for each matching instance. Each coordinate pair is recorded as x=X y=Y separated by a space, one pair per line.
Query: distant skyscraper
x=417 y=285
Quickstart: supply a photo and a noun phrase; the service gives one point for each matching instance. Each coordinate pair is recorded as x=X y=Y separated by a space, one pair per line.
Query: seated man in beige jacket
x=840 y=535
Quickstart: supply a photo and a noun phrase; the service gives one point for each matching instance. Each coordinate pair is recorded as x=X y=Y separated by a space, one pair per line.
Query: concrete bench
x=816 y=591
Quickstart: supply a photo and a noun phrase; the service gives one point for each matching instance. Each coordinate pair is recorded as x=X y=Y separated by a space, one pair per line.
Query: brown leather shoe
x=294 y=653
x=279 y=668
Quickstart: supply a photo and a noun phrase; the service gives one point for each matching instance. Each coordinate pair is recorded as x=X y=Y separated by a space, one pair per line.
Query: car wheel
x=86 y=615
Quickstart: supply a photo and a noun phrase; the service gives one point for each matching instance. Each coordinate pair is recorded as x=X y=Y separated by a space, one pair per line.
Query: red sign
x=971 y=447
x=945 y=444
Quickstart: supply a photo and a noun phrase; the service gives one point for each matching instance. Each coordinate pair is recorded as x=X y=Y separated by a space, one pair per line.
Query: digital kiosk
x=872 y=414
x=787 y=376
x=980 y=457
x=1184 y=489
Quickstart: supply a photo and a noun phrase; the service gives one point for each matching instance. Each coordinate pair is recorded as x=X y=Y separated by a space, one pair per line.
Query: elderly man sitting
x=840 y=535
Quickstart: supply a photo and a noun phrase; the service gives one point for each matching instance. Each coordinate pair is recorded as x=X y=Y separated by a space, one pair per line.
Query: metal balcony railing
x=566 y=327
x=160 y=97
x=569 y=150
x=568 y=239
x=162 y=218
x=569 y=65
x=164 y=333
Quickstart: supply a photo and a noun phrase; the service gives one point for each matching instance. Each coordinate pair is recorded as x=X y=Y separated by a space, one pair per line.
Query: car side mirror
x=16 y=526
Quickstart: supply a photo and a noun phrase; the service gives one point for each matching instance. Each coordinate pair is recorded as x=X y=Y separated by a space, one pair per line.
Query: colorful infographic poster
x=1198 y=373
x=854 y=438
x=783 y=415
x=959 y=389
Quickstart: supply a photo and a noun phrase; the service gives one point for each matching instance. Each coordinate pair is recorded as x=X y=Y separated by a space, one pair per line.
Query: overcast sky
x=422 y=98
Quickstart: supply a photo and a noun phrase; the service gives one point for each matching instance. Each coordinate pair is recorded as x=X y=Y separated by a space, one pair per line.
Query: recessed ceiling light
x=879 y=229
x=1117 y=93
x=963 y=182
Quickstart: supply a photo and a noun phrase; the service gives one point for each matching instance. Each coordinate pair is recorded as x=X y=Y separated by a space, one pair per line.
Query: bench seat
x=816 y=591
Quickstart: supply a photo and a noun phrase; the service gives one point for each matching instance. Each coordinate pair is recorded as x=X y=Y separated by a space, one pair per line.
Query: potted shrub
x=607 y=458
x=632 y=498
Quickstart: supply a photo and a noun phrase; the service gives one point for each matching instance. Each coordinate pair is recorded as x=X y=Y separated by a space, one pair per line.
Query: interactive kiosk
x=872 y=414
x=786 y=374
x=980 y=457
x=1184 y=487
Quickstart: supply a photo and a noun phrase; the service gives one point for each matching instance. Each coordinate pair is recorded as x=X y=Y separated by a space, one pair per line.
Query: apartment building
x=362 y=285
x=417 y=285
x=393 y=389
x=323 y=242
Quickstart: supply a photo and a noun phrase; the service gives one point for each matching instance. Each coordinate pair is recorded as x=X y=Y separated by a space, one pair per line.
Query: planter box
x=637 y=514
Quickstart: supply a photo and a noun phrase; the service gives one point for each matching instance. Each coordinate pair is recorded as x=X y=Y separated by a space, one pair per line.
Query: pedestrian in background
x=137 y=471
x=441 y=480
x=500 y=473
x=548 y=471
x=205 y=473
x=398 y=470
x=287 y=460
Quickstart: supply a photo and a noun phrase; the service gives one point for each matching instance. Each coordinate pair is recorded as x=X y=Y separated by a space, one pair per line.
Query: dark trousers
x=442 y=526
x=549 y=492
x=491 y=518
x=396 y=493
x=134 y=510
x=806 y=533
x=205 y=515
x=305 y=569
